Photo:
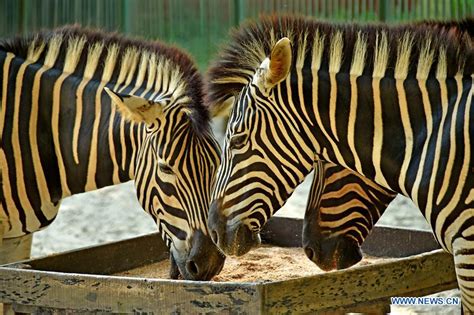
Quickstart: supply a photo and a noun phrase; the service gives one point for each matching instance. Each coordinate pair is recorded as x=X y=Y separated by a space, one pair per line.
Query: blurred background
x=200 y=27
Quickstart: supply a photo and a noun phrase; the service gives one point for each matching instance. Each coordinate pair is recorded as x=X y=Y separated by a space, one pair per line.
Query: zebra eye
x=165 y=168
x=237 y=142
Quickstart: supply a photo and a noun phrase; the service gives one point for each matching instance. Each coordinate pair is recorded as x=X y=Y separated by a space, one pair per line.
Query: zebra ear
x=136 y=108
x=280 y=63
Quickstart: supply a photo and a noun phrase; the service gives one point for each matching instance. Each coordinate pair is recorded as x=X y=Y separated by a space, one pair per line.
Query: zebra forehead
x=112 y=58
x=373 y=50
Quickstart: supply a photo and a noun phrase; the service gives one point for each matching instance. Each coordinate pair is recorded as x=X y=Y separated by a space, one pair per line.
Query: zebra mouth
x=174 y=272
x=333 y=253
x=201 y=261
x=239 y=240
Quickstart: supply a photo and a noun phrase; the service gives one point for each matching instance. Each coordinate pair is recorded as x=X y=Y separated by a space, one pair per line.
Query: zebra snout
x=204 y=260
x=330 y=253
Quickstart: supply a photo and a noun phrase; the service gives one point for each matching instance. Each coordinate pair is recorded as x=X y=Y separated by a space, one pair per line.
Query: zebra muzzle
x=236 y=239
x=330 y=253
x=202 y=262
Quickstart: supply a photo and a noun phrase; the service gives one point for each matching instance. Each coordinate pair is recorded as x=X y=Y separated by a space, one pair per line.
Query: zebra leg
x=463 y=249
x=15 y=249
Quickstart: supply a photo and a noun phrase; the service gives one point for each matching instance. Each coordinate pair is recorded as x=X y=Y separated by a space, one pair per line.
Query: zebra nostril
x=192 y=267
x=309 y=252
x=214 y=237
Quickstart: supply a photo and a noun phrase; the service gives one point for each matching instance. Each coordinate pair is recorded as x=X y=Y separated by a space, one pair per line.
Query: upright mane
x=112 y=58
x=418 y=50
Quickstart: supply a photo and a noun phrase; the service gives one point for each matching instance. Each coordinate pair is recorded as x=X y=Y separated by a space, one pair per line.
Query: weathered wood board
x=80 y=280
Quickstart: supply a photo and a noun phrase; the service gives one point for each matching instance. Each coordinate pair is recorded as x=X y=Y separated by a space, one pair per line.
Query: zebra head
x=175 y=167
x=265 y=157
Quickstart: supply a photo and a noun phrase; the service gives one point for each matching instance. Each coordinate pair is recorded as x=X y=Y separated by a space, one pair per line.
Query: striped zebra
x=393 y=104
x=343 y=206
x=62 y=135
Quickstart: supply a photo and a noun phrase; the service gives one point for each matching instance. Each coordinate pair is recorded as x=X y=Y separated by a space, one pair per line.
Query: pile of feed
x=265 y=263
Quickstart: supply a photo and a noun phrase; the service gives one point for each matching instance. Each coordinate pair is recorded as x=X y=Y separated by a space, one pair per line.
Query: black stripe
x=25 y=145
x=68 y=111
x=342 y=114
x=418 y=125
x=7 y=144
x=365 y=124
x=49 y=160
x=393 y=139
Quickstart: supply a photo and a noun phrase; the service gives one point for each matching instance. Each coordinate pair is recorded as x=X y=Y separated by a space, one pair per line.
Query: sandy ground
x=113 y=213
x=262 y=264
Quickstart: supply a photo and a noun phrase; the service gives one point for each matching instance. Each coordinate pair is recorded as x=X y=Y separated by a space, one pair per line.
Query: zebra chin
x=202 y=262
x=332 y=253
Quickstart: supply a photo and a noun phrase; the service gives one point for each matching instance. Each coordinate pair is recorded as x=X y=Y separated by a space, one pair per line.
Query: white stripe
x=332 y=104
x=407 y=129
x=378 y=135
x=352 y=122
x=429 y=134
x=55 y=132
x=452 y=148
x=32 y=222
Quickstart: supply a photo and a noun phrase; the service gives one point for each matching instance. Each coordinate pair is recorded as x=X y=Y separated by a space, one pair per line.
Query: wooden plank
x=420 y=274
x=88 y=293
x=394 y=242
x=361 y=288
x=107 y=258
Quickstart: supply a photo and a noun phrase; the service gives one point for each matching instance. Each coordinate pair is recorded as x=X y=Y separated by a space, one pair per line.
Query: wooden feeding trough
x=82 y=280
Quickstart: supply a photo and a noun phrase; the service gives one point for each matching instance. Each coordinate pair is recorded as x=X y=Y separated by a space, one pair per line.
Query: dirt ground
x=113 y=213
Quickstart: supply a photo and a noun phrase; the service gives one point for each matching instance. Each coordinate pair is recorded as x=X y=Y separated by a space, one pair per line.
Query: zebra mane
x=111 y=58
x=419 y=50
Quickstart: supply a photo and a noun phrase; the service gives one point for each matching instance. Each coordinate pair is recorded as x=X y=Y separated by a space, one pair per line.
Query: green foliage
x=201 y=25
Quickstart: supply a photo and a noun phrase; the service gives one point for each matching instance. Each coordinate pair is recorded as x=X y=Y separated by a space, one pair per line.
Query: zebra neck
x=90 y=142
x=104 y=144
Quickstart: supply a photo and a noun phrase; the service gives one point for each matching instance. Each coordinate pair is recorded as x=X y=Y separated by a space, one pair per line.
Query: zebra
x=82 y=109
x=342 y=206
x=393 y=104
